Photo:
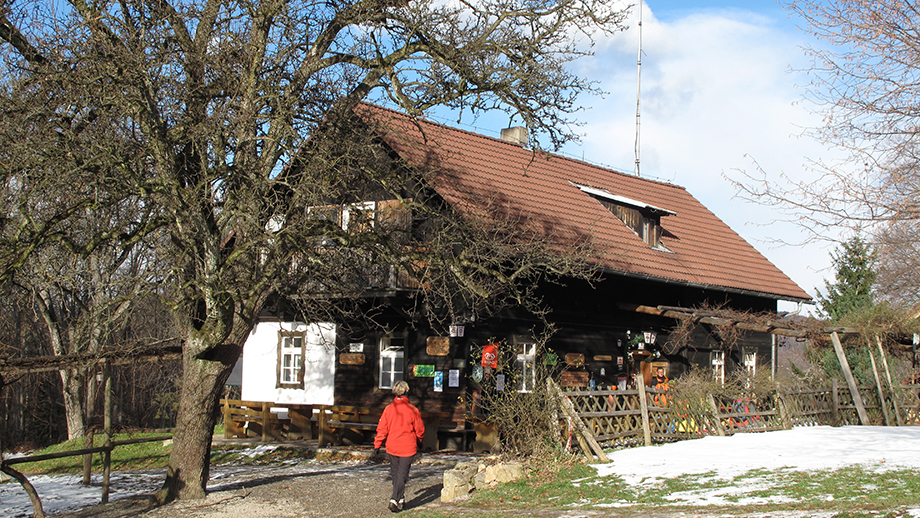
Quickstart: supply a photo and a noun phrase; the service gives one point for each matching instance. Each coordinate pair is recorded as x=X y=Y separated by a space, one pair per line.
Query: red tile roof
x=702 y=250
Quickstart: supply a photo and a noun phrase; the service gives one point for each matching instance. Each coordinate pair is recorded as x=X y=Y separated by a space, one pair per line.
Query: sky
x=721 y=95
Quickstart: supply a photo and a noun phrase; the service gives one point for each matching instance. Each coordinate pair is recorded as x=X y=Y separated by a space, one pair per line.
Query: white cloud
x=718 y=93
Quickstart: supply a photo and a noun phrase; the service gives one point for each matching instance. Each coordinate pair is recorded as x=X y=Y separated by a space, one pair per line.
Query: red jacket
x=401 y=426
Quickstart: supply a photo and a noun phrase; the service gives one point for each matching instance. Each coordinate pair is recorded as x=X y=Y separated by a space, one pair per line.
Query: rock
x=456 y=484
x=479 y=480
x=505 y=473
x=489 y=473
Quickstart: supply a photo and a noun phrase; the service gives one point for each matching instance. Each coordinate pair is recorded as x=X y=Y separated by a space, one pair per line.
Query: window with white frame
x=526 y=354
x=392 y=360
x=717 y=359
x=749 y=357
x=290 y=359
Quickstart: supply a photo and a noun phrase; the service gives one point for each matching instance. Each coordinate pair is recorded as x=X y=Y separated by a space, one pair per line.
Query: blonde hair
x=400 y=388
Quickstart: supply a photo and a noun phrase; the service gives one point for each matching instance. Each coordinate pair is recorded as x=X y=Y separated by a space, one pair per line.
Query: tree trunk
x=202 y=385
x=73 y=382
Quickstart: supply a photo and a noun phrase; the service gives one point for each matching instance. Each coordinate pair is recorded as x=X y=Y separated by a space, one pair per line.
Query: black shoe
x=394 y=506
x=401 y=503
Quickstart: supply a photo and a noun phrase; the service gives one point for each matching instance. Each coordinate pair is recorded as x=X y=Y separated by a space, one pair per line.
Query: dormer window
x=642 y=218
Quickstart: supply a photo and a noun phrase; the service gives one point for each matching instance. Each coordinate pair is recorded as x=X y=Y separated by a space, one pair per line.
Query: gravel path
x=346 y=490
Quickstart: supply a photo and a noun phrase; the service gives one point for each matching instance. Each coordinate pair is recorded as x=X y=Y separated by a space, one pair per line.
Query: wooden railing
x=645 y=416
x=327 y=423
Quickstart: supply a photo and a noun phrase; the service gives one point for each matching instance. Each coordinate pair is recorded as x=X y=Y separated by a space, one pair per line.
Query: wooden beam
x=881 y=393
x=851 y=382
x=777 y=327
x=36 y=364
x=891 y=389
x=643 y=408
x=580 y=429
x=37 y=510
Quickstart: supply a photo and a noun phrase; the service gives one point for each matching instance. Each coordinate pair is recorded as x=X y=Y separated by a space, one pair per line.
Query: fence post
x=266 y=420
x=228 y=420
x=88 y=458
x=783 y=411
x=717 y=414
x=107 y=424
x=836 y=400
x=643 y=408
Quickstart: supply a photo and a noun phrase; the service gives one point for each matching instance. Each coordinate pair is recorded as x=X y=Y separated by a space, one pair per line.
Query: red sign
x=490 y=356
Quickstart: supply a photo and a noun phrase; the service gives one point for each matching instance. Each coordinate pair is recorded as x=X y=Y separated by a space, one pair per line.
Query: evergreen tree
x=854 y=265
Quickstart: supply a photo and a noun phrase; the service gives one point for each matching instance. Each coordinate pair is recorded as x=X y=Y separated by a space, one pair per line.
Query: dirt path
x=346 y=490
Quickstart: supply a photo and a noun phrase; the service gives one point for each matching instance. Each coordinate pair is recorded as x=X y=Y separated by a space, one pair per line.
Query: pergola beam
x=36 y=364
x=777 y=327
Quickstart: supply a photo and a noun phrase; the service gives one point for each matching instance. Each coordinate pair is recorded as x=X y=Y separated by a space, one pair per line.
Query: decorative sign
x=456 y=331
x=500 y=382
x=356 y=347
x=490 y=356
x=603 y=358
x=423 y=371
x=478 y=373
x=574 y=379
x=575 y=359
x=439 y=381
x=620 y=361
x=453 y=378
x=351 y=359
x=438 y=346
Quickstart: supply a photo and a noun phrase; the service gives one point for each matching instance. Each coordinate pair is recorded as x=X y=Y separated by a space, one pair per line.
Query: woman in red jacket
x=402 y=429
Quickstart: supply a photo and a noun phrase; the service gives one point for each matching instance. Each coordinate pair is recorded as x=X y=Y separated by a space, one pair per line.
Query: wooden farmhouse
x=658 y=247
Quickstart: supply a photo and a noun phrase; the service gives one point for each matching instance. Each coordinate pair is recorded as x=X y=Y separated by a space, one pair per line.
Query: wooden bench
x=244 y=418
x=333 y=419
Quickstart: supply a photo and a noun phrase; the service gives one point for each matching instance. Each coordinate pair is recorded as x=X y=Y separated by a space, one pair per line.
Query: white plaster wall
x=260 y=359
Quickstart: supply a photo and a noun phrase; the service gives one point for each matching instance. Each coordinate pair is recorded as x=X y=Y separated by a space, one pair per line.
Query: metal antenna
x=638 y=87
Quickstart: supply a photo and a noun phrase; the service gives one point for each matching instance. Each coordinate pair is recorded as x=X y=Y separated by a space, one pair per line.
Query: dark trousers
x=399 y=472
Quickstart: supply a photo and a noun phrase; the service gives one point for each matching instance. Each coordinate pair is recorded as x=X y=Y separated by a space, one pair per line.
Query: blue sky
x=720 y=95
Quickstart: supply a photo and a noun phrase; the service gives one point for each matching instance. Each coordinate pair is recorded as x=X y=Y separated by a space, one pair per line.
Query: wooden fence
x=6 y=465
x=645 y=416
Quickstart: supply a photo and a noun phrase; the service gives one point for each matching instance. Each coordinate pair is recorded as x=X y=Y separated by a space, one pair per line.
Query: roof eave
x=700 y=285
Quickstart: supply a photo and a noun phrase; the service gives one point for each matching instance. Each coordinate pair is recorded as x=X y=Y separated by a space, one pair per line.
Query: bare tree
x=864 y=83
x=224 y=124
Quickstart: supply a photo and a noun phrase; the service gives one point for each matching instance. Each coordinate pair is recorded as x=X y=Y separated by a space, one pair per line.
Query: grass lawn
x=147 y=455
x=852 y=492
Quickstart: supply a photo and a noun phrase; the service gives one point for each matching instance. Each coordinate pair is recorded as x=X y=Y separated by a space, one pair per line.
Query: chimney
x=516 y=135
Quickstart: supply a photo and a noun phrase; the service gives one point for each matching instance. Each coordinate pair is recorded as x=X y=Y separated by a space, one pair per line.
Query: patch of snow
x=61 y=493
x=818 y=448
x=806 y=449
x=261 y=449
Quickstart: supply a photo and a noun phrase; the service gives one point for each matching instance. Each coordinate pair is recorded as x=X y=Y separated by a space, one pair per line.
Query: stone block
x=505 y=473
x=456 y=484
